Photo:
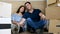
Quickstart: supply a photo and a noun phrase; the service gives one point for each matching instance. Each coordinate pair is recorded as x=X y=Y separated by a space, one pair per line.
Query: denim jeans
x=36 y=25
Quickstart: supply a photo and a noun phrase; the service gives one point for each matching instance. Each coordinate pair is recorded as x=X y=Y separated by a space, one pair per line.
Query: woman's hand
x=21 y=24
x=15 y=22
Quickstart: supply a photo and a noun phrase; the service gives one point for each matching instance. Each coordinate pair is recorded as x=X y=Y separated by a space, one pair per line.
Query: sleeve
x=12 y=17
x=39 y=11
x=25 y=15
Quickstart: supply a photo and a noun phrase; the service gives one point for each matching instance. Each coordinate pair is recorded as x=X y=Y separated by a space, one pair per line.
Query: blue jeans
x=40 y=24
x=37 y=25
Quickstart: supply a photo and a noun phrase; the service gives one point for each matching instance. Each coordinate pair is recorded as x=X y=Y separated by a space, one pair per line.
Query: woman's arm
x=22 y=22
x=14 y=22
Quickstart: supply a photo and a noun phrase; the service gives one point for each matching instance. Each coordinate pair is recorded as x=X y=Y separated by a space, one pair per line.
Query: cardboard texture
x=53 y=5
x=12 y=0
x=52 y=13
x=35 y=0
x=22 y=0
x=55 y=33
x=51 y=2
x=54 y=26
x=59 y=0
x=36 y=4
x=58 y=4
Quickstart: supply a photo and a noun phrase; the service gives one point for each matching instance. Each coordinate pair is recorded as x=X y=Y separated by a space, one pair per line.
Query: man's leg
x=31 y=27
x=37 y=25
x=39 y=31
x=41 y=25
x=31 y=23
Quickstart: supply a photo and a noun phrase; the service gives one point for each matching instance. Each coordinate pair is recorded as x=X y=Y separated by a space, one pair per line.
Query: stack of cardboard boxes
x=52 y=12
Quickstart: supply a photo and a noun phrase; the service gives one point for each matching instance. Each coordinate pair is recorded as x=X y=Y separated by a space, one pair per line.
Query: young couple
x=34 y=18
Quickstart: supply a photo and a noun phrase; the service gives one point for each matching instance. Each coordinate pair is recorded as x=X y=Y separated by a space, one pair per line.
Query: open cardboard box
x=50 y=2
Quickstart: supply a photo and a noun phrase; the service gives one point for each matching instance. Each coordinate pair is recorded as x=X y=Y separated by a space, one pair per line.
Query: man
x=35 y=18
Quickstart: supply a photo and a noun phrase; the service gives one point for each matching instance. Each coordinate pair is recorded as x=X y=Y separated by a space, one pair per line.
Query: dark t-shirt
x=34 y=16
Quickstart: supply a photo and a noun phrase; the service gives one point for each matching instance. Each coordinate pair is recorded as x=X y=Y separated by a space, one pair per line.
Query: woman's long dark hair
x=20 y=8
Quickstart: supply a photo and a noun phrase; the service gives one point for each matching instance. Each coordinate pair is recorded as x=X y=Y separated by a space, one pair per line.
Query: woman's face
x=21 y=9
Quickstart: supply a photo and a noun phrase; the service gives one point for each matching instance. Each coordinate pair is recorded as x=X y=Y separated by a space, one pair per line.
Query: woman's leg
x=20 y=30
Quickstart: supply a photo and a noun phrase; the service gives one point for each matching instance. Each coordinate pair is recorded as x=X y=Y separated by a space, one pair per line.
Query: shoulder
x=26 y=13
x=14 y=14
x=37 y=10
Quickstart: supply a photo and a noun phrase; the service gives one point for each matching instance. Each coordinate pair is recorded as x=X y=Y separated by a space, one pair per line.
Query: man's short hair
x=27 y=2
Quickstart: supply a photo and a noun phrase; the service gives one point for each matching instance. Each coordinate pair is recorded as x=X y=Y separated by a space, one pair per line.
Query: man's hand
x=42 y=16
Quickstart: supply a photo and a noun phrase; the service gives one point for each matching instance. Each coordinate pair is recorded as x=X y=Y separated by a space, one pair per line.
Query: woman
x=16 y=18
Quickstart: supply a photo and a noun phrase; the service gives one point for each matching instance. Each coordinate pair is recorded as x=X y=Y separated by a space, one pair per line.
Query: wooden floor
x=26 y=32
x=31 y=33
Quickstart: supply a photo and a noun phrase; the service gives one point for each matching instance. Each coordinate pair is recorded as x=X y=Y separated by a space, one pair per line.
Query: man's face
x=28 y=6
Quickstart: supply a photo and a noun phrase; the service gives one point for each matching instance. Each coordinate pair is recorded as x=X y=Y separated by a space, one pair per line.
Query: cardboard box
x=52 y=12
x=55 y=33
x=36 y=4
x=50 y=2
x=59 y=0
x=54 y=26
x=53 y=5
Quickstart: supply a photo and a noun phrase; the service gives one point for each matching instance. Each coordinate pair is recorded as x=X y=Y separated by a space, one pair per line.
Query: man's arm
x=22 y=22
x=42 y=16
